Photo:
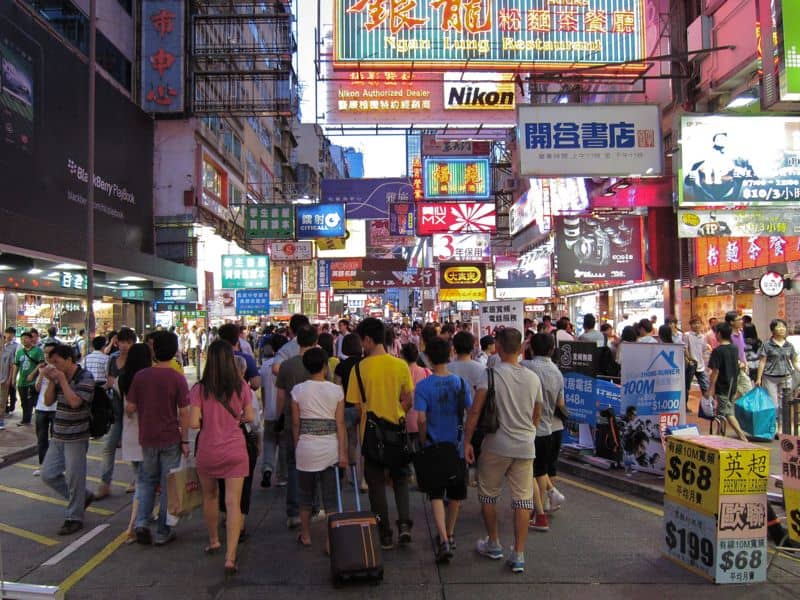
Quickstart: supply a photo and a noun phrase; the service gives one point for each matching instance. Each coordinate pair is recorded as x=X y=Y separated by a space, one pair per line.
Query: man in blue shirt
x=441 y=401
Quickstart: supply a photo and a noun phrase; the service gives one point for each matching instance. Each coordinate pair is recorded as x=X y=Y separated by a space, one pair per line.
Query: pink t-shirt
x=417 y=374
x=221 y=450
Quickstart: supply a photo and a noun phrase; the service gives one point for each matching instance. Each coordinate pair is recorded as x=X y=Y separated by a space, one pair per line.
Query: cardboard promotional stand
x=715 y=508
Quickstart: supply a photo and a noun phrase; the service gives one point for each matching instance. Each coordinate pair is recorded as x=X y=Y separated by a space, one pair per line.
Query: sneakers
x=37 y=473
x=539 y=523
x=556 y=498
x=386 y=542
x=450 y=542
x=404 y=533
x=163 y=540
x=444 y=554
x=485 y=548
x=320 y=515
x=293 y=522
x=70 y=527
x=2 y=425
x=282 y=483
x=143 y=536
x=516 y=561
x=266 y=479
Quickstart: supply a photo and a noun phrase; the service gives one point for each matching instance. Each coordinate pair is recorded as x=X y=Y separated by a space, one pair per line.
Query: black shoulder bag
x=488 y=422
x=385 y=443
x=437 y=466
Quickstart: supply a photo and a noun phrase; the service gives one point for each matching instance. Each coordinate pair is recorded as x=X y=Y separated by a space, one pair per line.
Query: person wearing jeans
x=45 y=415
x=153 y=471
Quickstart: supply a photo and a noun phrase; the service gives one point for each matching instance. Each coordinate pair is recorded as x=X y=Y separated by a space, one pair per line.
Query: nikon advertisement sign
x=478 y=93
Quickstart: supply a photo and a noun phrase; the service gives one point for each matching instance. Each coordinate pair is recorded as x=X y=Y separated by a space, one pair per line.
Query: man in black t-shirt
x=723 y=369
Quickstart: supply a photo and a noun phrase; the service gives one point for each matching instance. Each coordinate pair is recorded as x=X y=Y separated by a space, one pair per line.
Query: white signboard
x=494 y=315
x=479 y=91
x=291 y=250
x=590 y=140
x=469 y=247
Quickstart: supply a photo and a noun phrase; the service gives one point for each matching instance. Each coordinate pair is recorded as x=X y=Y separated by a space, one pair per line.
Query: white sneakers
x=554 y=499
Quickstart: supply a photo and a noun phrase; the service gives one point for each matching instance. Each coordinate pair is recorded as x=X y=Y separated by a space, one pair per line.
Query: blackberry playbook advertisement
x=599 y=248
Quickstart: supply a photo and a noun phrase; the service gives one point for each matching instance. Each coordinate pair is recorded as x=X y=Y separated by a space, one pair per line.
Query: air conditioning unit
x=698 y=37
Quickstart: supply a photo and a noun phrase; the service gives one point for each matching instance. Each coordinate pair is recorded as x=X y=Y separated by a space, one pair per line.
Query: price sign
x=741 y=561
x=690 y=538
x=791 y=498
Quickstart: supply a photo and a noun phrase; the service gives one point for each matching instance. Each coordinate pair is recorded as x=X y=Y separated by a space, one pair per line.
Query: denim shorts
x=307 y=481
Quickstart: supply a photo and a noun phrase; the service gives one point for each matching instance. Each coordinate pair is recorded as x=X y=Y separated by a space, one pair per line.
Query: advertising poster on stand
x=652 y=386
x=525 y=277
x=598 y=248
x=500 y=315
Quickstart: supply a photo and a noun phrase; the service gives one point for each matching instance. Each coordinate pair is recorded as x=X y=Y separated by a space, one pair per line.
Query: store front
x=580 y=305
x=640 y=302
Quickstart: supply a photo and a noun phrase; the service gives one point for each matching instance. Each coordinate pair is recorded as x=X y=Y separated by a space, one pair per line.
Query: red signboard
x=723 y=254
x=399 y=279
x=456 y=217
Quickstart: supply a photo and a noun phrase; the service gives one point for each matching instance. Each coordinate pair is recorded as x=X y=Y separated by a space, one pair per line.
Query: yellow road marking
x=28 y=535
x=92 y=563
x=88 y=478
x=49 y=500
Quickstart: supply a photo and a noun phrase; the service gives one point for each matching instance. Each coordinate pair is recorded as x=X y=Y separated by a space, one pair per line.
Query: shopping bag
x=183 y=489
x=756 y=413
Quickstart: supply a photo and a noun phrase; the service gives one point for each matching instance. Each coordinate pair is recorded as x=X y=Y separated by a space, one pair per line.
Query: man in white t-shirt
x=45 y=415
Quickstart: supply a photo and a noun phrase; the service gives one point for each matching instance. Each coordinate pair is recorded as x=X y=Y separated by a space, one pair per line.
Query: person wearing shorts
x=441 y=400
x=724 y=365
x=319 y=436
x=507 y=453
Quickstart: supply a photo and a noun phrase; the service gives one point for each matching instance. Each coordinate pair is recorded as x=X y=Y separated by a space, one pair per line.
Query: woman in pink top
x=220 y=403
x=410 y=354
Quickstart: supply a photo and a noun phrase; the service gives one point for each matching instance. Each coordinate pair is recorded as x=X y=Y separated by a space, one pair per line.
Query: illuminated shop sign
x=457 y=178
x=456 y=217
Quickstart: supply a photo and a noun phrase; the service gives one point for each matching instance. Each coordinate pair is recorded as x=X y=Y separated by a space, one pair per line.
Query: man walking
x=388 y=394
x=26 y=362
x=590 y=334
x=507 y=453
x=71 y=389
x=8 y=353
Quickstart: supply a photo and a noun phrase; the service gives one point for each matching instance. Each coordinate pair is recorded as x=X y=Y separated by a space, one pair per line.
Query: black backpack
x=101 y=416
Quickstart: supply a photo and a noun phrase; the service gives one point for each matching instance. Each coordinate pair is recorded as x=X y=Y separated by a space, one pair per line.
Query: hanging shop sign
x=353 y=244
x=546 y=197
x=431 y=146
x=771 y=284
x=723 y=163
x=505 y=314
x=758 y=222
x=323 y=274
x=723 y=254
x=650 y=193
x=73 y=280
x=479 y=92
x=456 y=217
x=252 y=302
x=789 y=65
x=599 y=249
x=590 y=140
x=366 y=198
x=244 y=271
x=175 y=294
x=270 y=221
x=460 y=282
x=162 y=57
x=401 y=218
x=291 y=250
x=525 y=277
x=465 y=247
x=320 y=221
x=447 y=177
x=481 y=35
x=421 y=278
x=577 y=357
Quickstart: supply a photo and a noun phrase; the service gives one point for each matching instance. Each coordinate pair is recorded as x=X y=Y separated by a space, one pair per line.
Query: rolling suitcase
x=354 y=541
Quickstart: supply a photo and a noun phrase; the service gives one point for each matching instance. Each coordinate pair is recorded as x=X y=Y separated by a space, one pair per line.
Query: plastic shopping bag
x=756 y=413
x=183 y=490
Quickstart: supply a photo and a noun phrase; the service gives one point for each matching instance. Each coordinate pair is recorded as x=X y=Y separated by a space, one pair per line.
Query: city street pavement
x=602 y=544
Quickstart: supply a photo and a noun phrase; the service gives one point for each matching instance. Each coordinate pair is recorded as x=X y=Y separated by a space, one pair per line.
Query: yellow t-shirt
x=333 y=362
x=385 y=378
x=176 y=365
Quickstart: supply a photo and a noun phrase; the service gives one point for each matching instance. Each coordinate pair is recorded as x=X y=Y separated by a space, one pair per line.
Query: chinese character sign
x=468 y=247
x=401 y=218
x=498 y=315
x=320 y=221
x=457 y=178
x=485 y=35
x=252 y=302
x=244 y=271
x=73 y=281
x=162 y=57
x=756 y=221
x=598 y=140
x=724 y=254
x=367 y=198
x=270 y=221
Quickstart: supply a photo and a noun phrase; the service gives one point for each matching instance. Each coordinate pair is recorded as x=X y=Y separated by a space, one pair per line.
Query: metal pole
x=90 y=321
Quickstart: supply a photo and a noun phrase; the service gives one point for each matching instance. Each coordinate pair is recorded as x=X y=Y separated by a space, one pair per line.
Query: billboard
x=757 y=222
x=724 y=254
x=252 y=302
x=401 y=218
x=464 y=247
x=456 y=217
x=590 y=140
x=486 y=35
x=291 y=250
x=448 y=178
x=461 y=282
x=431 y=146
x=367 y=198
x=730 y=161
x=245 y=271
x=546 y=197
x=525 y=277
x=320 y=221
x=270 y=221
x=599 y=249
x=162 y=57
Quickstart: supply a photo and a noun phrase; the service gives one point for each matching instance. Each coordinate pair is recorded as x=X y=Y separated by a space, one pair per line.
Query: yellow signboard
x=331 y=243
x=462 y=295
x=791 y=500
x=700 y=470
x=348 y=285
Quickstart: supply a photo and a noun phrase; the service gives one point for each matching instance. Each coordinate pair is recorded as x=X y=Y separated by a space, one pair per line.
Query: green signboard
x=272 y=222
x=245 y=271
x=790 y=61
x=134 y=294
x=490 y=35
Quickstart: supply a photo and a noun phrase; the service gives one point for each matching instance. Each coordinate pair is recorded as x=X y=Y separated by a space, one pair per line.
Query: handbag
x=488 y=421
x=183 y=489
x=439 y=464
x=385 y=443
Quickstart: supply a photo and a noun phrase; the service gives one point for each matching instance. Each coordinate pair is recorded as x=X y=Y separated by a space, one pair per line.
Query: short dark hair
x=99 y=342
x=486 y=341
x=297 y=321
x=126 y=334
x=277 y=341
x=724 y=330
x=306 y=336
x=344 y=322
x=731 y=316
x=34 y=331
x=410 y=352
x=428 y=333
x=547 y=318
x=230 y=333
x=11 y=330
x=49 y=346
x=373 y=329
x=646 y=325
x=562 y=323
x=325 y=341
x=165 y=345
x=64 y=351
x=775 y=322
x=605 y=327
x=27 y=334
x=447 y=328
x=510 y=340
x=351 y=345
x=314 y=360
x=589 y=321
x=438 y=351
x=52 y=331
x=463 y=342
x=542 y=344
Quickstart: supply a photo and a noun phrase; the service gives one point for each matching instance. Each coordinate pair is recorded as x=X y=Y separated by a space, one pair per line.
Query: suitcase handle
x=339 y=488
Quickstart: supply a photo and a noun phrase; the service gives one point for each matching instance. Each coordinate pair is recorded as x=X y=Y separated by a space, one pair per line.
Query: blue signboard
x=252 y=302
x=323 y=274
x=162 y=58
x=367 y=198
x=586 y=396
x=320 y=221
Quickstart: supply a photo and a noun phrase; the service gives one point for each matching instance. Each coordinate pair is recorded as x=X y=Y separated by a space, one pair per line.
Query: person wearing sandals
x=320 y=438
x=220 y=402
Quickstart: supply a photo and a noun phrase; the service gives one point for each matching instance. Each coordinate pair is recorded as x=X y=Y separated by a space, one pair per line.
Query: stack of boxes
x=715 y=508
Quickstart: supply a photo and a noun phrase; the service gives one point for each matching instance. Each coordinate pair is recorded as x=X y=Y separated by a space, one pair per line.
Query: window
x=235 y=195
x=212 y=180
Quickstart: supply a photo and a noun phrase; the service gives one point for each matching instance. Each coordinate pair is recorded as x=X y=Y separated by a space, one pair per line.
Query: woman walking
x=777 y=361
x=220 y=403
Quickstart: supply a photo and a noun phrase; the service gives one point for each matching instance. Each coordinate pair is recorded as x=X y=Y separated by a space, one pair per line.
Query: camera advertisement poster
x=597 y=248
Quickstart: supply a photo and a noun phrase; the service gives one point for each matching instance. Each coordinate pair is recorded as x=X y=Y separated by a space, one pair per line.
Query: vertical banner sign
x=162 y=57
x=652 y=384
x=323 y=274
x=401 y=218
x=789 y=75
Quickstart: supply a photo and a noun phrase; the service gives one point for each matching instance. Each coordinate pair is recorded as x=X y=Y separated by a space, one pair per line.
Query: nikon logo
x=480 y=97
